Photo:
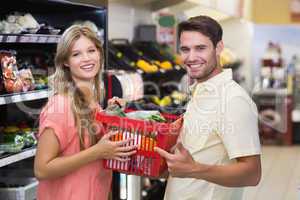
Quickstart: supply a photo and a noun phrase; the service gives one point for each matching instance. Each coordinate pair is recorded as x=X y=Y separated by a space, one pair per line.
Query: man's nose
x=191 y=56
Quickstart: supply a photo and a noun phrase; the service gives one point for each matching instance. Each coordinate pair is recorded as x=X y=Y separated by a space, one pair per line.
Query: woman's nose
x=85 y=56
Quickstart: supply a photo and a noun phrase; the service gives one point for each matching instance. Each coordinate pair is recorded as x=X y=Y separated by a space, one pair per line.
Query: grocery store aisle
x=281 y=175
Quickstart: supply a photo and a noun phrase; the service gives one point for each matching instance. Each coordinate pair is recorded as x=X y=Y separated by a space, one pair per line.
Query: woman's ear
x=66 y=64
x=219 y=47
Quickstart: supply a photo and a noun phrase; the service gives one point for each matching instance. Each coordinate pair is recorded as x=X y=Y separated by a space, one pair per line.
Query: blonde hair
x=62 y=83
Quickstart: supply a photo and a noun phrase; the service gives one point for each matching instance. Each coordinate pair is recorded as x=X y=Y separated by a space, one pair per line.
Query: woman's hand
x=116 y=100
x=118 y=150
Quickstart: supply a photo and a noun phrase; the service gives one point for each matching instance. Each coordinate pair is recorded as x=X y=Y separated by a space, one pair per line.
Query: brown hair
x=204 y=25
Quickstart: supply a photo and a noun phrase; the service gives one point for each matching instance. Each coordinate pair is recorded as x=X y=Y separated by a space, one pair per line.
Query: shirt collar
x=210 y=84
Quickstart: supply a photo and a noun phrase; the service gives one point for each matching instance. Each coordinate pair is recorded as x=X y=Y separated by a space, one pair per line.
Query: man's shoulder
x=233 y=89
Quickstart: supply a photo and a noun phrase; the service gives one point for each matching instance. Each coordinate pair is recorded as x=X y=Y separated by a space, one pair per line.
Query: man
x=218 y=150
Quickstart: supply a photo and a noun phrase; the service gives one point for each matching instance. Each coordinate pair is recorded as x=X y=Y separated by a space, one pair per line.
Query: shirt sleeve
x=57 y=115
x=240 y=131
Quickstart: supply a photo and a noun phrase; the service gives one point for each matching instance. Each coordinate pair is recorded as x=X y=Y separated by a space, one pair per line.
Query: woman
x=70 y=148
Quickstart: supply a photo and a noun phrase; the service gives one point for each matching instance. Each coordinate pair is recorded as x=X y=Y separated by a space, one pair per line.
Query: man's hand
x=245 y=172
x=179 y=164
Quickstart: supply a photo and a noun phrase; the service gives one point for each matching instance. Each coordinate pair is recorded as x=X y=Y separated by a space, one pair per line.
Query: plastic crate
x=18 y=188
x=147 y=135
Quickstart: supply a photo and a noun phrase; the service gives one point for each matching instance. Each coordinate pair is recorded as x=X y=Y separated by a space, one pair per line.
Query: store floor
x=281 y=175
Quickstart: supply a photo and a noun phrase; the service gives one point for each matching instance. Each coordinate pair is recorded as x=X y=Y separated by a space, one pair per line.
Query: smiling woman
x=70 y=150
x=84 y=61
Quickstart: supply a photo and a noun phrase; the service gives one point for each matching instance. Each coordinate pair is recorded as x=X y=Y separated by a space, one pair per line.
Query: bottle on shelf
x=290 y=74
x=272 y=71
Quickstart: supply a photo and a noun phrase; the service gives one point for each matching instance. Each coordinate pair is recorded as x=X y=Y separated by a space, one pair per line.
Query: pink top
x=90 y=182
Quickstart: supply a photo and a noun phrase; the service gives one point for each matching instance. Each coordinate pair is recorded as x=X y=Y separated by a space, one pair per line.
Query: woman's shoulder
x=57 y=103
x=58 y=97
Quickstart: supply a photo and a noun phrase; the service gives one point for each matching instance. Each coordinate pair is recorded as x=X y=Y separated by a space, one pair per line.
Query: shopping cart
x=147 y=135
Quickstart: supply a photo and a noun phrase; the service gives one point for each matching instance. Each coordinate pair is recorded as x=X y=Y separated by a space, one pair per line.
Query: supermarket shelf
x=296 y=115
x=28 y=38
x=12 y=158
x=19 y=97
x=272 y=92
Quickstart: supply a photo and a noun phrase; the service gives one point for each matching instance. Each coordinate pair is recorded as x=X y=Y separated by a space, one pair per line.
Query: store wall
x=271 y=12
x=287 y=36
x=123 y=17
x=238 y=36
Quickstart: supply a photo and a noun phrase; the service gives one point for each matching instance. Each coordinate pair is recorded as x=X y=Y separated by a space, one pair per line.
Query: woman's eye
x=92 y=50
x=75 y=54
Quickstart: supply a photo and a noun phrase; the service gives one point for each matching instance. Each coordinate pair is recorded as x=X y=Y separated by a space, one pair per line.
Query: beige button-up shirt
x=220 y=124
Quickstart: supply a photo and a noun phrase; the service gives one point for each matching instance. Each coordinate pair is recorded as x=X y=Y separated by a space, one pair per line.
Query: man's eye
x=200 y=48
x=184 y=50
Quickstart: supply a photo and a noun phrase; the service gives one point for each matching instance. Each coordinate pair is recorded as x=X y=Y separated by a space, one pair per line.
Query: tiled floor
x=281 y=175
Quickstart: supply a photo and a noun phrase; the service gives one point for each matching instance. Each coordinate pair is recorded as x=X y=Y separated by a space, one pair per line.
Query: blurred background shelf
x=7 y=159
x=26 y=96
x=28 y=38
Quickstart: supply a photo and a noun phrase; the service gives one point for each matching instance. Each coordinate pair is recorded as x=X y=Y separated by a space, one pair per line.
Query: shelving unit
x=7 y=159
x=59 y=14
x=26 y=96
x=28 y=38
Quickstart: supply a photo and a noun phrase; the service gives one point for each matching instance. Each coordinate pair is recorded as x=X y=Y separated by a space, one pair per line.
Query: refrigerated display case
x=31 y=30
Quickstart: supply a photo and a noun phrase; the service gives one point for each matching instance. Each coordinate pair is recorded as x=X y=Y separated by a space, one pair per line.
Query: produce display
x=154 y=54
x=15 y=138
x=13 y=79
x=134 y=56
x=17 y=23
x=12 y=82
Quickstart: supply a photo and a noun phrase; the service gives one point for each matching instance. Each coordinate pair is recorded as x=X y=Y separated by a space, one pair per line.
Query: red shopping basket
x=147 y=135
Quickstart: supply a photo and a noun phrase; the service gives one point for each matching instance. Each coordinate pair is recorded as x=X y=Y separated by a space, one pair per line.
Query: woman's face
x=84 y=60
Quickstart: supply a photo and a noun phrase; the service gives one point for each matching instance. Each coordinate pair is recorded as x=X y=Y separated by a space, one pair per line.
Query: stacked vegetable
x=148 y=115
x=14 y=139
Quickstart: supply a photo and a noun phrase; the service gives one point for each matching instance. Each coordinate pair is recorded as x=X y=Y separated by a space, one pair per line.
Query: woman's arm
x=49 y=164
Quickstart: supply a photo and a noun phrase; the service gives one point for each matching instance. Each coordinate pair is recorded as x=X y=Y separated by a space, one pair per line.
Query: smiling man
x=218 y=152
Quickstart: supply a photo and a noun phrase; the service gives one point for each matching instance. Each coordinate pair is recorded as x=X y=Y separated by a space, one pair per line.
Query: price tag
x=42 y=39
x=57 y=39
x=33 y=38
x=23 y=39
x=2 y=101
x=11 y=38
x=51 y=39
x=16 y=98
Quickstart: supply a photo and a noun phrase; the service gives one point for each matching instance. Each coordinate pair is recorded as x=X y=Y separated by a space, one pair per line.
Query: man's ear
x=219 y=47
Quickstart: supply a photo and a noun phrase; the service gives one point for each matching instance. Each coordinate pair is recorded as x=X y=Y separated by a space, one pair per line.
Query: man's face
x=199 y=55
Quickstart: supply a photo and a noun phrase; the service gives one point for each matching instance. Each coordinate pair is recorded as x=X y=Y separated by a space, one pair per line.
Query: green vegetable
x=157 y=118
x=151 y=115
x=115 y=110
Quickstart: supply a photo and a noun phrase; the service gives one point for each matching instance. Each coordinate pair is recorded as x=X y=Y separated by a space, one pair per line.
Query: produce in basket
x=115 y=109
x=148 y=115
x=151 y=115
x=146 y=135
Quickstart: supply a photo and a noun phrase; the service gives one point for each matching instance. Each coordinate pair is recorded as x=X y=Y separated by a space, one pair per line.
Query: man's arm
x=245 y=172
